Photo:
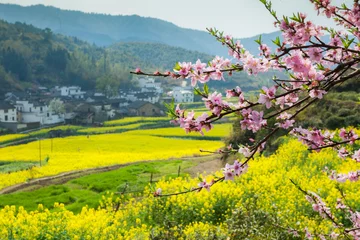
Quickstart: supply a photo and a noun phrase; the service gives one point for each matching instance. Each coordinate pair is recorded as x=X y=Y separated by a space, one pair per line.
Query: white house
x=182 y=95
x=30 y=112
x=149 y=85
x=72 y=91
x=151 y=97
x=8 y=113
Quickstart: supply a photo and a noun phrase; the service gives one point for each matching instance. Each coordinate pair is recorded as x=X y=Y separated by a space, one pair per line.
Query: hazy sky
x=240 y=18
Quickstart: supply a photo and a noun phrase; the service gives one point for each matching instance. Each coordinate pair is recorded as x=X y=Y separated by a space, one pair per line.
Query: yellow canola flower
x=82 y=152
x=199 y=215
x=219 y=130
x=130 y=120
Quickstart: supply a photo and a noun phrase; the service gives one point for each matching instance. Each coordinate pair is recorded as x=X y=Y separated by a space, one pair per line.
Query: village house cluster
x=35 y=108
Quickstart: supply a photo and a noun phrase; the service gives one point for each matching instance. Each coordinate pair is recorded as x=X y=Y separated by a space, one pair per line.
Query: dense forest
x=32 y=56
x=29 y=55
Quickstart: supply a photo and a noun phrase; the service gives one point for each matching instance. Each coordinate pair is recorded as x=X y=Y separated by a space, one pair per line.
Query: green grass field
x=88 y=190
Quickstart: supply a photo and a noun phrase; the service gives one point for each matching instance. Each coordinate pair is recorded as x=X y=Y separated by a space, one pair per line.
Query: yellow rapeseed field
x=219 y=130
x=81 y=152
x=111 y=129
x=12 y=137
x=129 y=120
x=199 y=215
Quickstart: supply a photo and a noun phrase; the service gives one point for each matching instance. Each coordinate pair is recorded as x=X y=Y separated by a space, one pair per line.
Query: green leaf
x=197 y=92
x=351 y=41
x=277 y=41
x=258 y=41
x=206 y=89
x=320 y=67
x=177 y=67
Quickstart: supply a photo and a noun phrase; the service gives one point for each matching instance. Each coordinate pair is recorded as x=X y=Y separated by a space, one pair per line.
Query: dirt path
x=61 y=178
x=67 y=176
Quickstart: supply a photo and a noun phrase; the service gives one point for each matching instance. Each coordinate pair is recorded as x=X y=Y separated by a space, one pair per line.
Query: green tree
x=57 y=106
x=108 y=85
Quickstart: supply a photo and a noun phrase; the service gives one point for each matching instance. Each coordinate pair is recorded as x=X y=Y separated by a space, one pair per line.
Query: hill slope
x=104 y=30
x=29 y=55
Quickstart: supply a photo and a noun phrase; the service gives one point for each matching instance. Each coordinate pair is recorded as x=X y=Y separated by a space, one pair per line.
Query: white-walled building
x=151 y=97
x=72 y=91
x=182 y=95
x=8 y=113
x=149 y=85
x=30 y=112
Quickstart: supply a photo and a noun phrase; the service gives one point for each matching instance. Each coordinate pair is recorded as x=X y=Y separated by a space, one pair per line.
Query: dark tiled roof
x=137 y=104
x=6 y=106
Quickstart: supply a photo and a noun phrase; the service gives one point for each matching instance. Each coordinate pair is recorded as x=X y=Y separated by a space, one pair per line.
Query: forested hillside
x=29 y=55
x=104 y=30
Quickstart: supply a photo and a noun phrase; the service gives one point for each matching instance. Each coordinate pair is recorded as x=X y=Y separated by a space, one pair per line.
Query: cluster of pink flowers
x=215 y=103
x=350 y=135
x=328 y=9
x=236 y=92
x=303 y=67
x=318 y=205
x=253 y=65
x=205 y=185
x=264 y=50
x=285 y=121
x=288 y=100
x=230 y=171
x=312 y=138
x=315 y=139
x=267 y=96
x=355 y=220
x=316 y=93
x=298 y=33
x=245 y=151
x=190 y=123
x=202 y=72
x=252 y=120
x=341 y=177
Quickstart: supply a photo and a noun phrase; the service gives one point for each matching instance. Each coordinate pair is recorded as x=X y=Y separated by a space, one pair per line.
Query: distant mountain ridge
x=32 y=56
x=104 y=30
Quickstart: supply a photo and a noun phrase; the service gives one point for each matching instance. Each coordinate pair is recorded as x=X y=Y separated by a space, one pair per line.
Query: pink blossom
x=199 y=66
x=158 y=192
x=316 y=207
x=253 y=120
x=267 y=95
x=353 y=176
x=228 y=38
x=356 y=155
x=238 y=168
x=340 y=204
x=228 y=172
x=205 y=185
x=265 y=50
x=341 y=178
x=308 y=235
x=315 y=54
x=185 y=68
x=285 y=121
x=343 y=153
x=315 y=93
x=348 y=135
x=334 y=235
x=245 y=151
x=343 y=134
